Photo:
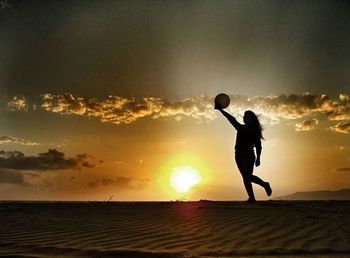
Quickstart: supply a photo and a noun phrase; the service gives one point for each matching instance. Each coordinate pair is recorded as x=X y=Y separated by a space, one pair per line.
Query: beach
x=175 y=229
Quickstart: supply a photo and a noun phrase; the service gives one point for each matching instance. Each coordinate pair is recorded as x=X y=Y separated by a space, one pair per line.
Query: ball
x=223 y=100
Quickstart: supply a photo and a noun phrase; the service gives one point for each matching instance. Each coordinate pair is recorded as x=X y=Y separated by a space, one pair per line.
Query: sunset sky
x=102 y=98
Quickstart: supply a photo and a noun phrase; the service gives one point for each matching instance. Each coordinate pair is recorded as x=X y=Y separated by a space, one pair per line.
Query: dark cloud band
x=346 y=169
x=51 y=160
x=12 y=177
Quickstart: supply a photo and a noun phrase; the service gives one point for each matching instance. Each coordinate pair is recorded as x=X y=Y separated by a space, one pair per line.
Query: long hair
x=253 y=123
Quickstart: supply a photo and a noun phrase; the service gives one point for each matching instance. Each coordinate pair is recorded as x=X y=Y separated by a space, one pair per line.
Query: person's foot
x=268 y=189
x=251 y=200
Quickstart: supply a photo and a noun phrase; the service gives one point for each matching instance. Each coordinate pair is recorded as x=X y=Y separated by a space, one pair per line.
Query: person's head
x=251 y=120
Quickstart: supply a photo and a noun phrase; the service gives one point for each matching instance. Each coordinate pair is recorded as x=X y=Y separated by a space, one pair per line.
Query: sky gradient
x=102 y=98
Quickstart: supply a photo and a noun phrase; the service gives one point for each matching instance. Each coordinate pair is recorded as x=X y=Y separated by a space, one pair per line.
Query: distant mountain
x=343 y=194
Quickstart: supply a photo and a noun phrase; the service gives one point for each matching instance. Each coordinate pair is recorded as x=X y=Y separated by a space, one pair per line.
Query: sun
x=183 y=178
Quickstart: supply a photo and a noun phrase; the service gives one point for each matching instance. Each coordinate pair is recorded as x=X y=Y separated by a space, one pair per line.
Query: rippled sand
x=179 y=229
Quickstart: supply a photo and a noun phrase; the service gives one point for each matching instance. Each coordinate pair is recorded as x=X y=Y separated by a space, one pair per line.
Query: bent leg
x=258 y=181
x=263 y=184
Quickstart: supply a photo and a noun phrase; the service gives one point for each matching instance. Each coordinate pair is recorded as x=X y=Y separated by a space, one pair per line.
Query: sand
x=177 y=229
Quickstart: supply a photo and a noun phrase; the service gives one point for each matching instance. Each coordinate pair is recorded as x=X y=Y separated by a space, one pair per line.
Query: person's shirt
x=245 y=138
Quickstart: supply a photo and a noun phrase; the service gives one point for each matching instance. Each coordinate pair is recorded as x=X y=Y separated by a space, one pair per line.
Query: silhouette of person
x=249 y=135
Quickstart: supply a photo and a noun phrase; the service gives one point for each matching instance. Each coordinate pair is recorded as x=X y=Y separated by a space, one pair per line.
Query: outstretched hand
x=217 y=106
x=257 y=163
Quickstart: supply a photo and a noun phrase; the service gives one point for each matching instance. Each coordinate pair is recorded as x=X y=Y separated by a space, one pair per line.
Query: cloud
x=306 y=125
x=346 y=169
x=341 y=127
x=17 y=103
x=10 y=139
x=119 y=182
x=12 y=177
x=51 y=160
x=4 y=5
x=296 y=106
x=121 y=110
x=340 y=147
x=116 y=109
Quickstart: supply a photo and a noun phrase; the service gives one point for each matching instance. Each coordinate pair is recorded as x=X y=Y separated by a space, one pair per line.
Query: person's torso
x=244 y=139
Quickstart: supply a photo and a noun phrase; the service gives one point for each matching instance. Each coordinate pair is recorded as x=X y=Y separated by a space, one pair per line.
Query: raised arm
x=230 y=118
